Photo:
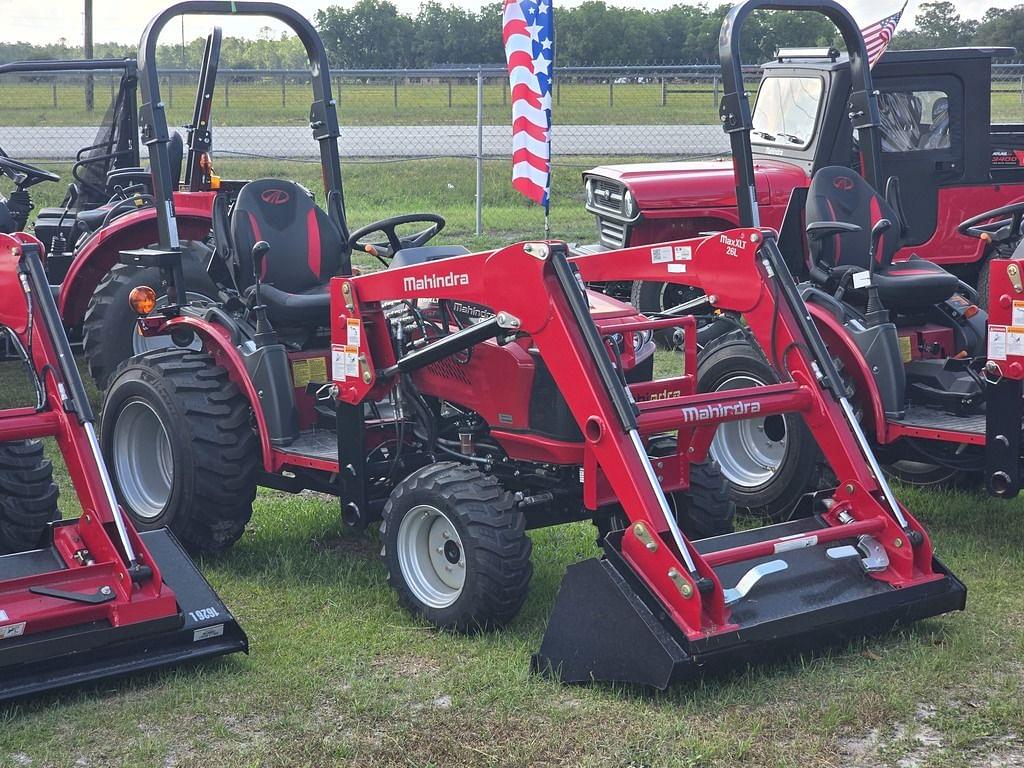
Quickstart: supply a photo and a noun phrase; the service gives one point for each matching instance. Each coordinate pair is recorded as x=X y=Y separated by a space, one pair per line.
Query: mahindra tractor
x=936 y=140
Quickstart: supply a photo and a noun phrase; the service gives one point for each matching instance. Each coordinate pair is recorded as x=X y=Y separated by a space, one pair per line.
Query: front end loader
x=658 y=607
x=90 y=598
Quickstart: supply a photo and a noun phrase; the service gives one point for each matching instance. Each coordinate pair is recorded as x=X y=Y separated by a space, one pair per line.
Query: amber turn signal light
x=142 y=299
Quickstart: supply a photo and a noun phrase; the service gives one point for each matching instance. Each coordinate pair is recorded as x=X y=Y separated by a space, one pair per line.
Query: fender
x=133 y=230
x=854 y=365
x=217 y=343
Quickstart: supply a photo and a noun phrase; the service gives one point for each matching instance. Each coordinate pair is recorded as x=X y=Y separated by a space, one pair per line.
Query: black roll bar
x=735 y=112
x=323 y=116
x=70 y=65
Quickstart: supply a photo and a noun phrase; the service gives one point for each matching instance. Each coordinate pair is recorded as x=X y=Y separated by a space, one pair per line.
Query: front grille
x=608 y=196
x=613 y=233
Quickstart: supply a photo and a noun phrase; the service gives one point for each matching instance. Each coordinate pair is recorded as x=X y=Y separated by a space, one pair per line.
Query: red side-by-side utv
x=460 y=399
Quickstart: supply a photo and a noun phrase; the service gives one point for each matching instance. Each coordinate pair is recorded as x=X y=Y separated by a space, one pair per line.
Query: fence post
x=394 y=84
x=714 y=92
x=449 y=93
x=170 y=91
x=54 y=91
x=227 y=98
x=1022 y=89
x=611 y=89
x=284 y=97
x=664 y=93
x=479 y=152
x=558 y=91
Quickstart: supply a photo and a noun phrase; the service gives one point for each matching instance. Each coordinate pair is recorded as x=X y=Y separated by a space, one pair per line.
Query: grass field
x=245 y=103
x=340 y=675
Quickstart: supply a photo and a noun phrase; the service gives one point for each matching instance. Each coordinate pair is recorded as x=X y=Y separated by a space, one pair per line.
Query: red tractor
x=936 y=139
x=464 y=398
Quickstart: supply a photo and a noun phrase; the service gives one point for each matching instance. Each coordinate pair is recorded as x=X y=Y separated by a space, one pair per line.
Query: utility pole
x=89 y=93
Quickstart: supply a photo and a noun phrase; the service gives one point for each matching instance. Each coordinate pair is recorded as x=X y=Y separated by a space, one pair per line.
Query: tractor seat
x=839 y=194
x=306 y=250
x=309 y=308
x=409 y=256
x=913 y=284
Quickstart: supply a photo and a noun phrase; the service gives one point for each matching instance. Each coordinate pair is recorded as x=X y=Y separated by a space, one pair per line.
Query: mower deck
x=202 y=628
x=622 y=635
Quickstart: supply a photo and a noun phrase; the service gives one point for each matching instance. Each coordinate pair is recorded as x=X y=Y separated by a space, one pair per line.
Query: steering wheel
x=394 y=243
x=24 y=174
x=1005 y=227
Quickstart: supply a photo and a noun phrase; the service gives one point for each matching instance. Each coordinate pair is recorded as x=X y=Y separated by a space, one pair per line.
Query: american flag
x=527 y=32
x=878 y=36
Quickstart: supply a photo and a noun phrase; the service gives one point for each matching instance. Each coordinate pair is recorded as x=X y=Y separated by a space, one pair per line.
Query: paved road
x=61 y=143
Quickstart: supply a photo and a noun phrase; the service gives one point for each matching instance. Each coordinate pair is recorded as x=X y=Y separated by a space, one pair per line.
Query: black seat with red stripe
x=839 y=194
x=306 y=250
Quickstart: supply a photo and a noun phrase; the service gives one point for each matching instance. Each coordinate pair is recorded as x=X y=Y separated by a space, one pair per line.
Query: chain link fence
x=390 y=116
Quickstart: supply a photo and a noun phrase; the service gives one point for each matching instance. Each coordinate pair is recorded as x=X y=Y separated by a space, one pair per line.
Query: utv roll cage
x=736 y=115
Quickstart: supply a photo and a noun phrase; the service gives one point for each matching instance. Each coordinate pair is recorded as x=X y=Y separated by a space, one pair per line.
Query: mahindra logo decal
x=428 y=282
x=275 y=196
x=714 y=412
x=843 y=183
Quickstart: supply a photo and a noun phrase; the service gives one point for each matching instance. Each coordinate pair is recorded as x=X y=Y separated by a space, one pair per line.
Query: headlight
x=629 y=202
x=590 y=191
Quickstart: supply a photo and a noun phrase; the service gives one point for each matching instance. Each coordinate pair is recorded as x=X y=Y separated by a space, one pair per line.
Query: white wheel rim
x=143 y=461
x=142 y=343
x=431 y=556
x=751 y=451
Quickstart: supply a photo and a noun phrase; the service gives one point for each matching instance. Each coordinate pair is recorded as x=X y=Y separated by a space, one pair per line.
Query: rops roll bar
x=323 y=116
x=735 y=112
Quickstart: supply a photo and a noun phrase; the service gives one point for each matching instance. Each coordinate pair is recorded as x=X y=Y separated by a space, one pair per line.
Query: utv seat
x=306 y=250
x=409 y=256
x=937 y=135
x=839 y=194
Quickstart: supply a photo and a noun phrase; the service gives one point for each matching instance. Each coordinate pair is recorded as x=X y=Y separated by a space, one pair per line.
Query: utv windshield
x=786 y=111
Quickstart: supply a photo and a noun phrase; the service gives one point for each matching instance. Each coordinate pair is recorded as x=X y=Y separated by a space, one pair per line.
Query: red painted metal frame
x=133 y=230
x=133 y=603
x=520 y=281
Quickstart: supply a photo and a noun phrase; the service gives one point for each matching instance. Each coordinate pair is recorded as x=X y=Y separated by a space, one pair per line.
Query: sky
x=46 y=21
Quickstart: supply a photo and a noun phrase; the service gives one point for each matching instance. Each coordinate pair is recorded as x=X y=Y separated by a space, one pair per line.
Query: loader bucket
x=202 y=627
x=606 y=624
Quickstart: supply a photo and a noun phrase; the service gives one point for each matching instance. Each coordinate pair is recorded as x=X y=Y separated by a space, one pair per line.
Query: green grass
x=340 y=675
x=247 y=103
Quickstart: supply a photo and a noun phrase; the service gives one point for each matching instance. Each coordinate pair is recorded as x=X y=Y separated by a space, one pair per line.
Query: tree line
x=374 y=34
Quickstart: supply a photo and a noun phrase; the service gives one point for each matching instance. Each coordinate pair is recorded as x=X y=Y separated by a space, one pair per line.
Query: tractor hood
x=705 y=184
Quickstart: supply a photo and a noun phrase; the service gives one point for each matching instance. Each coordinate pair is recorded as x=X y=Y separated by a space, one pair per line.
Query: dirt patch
x=358 y=546
x=917 y=742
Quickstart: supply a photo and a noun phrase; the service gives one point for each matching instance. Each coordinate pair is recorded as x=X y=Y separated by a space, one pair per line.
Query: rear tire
x=28 y=496
x=109 y=331
x=769 y=462
x=182 y=453
x=455 y=548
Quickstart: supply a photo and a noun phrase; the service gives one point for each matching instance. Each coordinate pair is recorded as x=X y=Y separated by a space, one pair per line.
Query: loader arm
x=534 y=290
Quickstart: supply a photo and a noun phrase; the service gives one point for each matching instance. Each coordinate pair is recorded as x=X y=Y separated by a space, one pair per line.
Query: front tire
x=703 y=510
x=770 y=462
x=28 y=495
x=456 y=549
x=182 y=453
x=109 y=331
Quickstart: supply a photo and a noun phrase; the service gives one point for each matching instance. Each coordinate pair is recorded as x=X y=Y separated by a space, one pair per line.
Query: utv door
x=923 y=145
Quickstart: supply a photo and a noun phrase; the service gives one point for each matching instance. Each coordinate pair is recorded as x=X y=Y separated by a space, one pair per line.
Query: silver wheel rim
x=431 y=556
x=143 y=461
x=751 y=451
x=142 y=343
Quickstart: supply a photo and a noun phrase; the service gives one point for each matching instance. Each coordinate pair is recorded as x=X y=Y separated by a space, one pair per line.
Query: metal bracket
x=872 y=554
x=102 y=595
x=751 y=577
